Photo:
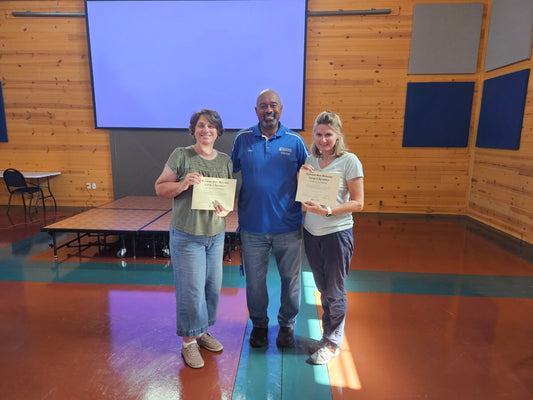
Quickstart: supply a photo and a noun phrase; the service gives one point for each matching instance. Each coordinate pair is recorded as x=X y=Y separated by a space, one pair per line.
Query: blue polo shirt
x=269 y=169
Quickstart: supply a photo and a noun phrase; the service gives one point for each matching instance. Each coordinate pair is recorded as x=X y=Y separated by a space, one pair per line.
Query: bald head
x=268 y=110
x=268 y=93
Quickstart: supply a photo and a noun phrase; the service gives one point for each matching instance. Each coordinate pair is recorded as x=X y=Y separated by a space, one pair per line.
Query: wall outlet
x=94 y=185
x=88 y=185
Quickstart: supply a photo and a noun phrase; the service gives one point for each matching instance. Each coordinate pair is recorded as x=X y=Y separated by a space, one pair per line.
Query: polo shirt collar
x=278 y=134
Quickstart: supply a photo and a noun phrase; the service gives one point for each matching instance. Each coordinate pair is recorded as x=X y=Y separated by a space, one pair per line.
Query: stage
x=130 y=220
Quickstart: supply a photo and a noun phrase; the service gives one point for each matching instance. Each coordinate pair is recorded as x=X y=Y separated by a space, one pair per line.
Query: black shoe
x=285 y=336
x=258 y=337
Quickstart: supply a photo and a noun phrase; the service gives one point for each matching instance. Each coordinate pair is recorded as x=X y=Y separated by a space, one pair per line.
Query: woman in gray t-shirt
x=328 y=230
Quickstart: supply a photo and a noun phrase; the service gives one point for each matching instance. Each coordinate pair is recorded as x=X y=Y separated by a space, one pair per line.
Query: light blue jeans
x=287 y=252
x=197 y=265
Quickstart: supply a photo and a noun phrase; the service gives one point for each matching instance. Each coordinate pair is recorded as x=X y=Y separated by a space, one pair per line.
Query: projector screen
x=155 y=63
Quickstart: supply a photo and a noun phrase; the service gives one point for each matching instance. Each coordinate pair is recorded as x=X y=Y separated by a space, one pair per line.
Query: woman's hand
x=315 y=208
x=193 y=178
x=220 y=211
x=307 y=167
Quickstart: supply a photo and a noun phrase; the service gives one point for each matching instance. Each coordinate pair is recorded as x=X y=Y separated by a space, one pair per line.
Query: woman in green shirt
x=196 y=236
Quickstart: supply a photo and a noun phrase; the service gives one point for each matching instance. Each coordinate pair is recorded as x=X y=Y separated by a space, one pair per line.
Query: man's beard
x=270 y=123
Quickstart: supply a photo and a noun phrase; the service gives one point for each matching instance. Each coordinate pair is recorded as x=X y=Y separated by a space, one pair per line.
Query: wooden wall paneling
x=501 y=192
x=501 y=189
x=45 y=74
x=356 y=66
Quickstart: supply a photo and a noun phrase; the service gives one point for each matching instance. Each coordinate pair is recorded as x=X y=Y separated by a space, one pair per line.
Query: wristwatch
x=328 y=214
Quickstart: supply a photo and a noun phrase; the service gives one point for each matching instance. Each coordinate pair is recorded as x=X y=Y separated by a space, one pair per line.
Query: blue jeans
x=256 y=250
x=197 y=265
x=329 y=258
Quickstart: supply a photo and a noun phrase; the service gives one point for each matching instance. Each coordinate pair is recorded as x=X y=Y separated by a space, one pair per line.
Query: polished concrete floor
x=437 y=310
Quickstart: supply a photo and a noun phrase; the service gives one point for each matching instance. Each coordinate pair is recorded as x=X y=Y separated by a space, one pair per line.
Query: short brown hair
x=211 y=115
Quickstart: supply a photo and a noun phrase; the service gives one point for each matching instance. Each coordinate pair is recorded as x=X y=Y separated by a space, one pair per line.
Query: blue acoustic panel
x=510 y=33
x=437 y=114
x=3 y=126
x=445 y=38
x=502 y=111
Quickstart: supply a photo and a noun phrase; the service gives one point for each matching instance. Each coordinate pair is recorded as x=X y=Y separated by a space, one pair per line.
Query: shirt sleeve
x=172 y=161
x=303 y=153
x=230 y=168
x=235 y=155
x=354 y=168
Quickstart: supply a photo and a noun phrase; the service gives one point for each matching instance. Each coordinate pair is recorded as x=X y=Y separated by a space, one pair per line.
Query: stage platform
x=131 y=219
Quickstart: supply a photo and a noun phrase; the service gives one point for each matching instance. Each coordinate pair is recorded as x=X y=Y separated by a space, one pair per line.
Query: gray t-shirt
x=349 y=166
x=183 y=161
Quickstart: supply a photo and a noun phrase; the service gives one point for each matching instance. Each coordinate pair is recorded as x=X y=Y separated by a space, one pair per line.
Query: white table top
x=36 y=174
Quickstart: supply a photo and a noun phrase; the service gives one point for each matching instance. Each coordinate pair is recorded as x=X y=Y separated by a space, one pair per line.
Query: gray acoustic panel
x=138 y=157
x=510 y=33
x=445 y=38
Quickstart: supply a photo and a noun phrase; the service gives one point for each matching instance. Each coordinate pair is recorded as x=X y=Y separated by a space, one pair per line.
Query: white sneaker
x=323 y=355
x=315 y=345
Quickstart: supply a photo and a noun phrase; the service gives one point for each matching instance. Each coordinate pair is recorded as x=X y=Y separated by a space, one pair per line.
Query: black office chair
x=16 y=183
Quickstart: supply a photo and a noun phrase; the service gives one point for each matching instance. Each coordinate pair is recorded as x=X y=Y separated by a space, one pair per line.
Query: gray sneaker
x=208 y=342
x=192 y=357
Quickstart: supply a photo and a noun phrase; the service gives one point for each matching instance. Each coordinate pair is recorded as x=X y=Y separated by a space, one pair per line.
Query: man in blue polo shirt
x=269 y=156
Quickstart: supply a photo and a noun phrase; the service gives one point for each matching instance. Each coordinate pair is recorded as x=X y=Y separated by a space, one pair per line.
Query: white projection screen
x=154 y=63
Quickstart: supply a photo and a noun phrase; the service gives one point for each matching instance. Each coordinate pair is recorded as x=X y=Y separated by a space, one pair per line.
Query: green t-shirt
x=183 y=161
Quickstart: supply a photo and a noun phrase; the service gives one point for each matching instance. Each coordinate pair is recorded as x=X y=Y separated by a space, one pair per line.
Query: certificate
x=213 y=191
x=320 y=187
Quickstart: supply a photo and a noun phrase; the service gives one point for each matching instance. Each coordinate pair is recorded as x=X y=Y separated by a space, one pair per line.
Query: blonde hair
x=334 y=122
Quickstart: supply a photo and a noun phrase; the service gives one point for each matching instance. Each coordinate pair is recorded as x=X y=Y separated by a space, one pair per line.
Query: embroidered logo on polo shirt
x=285 y=151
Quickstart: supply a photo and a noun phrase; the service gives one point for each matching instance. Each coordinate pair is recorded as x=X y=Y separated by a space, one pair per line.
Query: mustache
x=272 y=114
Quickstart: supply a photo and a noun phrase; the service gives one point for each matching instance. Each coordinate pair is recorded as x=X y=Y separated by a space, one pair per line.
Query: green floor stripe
x=272 y=373
x=15 y=267
x=520 y=287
